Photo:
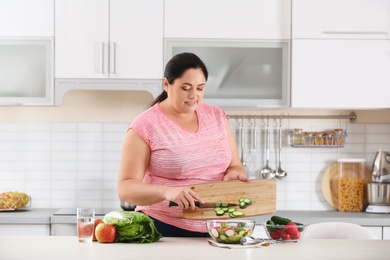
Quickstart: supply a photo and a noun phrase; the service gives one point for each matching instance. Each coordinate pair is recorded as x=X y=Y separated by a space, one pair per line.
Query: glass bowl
x=286 y=233
x=228 y=231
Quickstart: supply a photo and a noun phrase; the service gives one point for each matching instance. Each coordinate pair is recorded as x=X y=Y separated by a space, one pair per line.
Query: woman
x=177 y=142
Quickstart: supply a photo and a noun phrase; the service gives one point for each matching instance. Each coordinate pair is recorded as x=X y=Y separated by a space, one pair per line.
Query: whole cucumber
x=280 y=220
x=270 y=226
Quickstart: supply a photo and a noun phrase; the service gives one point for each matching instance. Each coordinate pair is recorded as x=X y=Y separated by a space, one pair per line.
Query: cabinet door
x=81 y=38
x=136 y=39
x=377 y=231
x=340 y=73
x=256 y=19
x=341 y=19
x=24 y=230
x=26 y=18
x=386 y=233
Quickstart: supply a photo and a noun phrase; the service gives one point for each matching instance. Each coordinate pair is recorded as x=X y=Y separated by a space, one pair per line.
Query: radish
x=230 y=232
x=214 y=232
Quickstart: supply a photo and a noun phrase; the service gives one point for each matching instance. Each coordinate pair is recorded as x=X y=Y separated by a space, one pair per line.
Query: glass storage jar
x=298 y=138
x=318 y=138
x=351 y=184
x=309 y=138
x=328 y=138
x=338 y=137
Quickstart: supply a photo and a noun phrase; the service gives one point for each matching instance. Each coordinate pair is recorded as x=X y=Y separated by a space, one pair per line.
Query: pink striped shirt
x=181 y=158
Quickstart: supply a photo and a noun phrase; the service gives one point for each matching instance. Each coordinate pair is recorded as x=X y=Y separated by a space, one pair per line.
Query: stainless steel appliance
x=378 y=191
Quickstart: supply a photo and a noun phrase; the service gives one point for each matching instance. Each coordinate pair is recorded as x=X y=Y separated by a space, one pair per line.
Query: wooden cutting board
x=262 y=192
x=330 y=182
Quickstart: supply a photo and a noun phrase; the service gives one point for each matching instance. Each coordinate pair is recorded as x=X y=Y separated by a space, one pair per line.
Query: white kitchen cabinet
x=247 y=19
x=24 y=230
x=104 y=39
x=358 y=19
x=340 y=74
x=386 y=233
x=377 y=231
x=26 y=18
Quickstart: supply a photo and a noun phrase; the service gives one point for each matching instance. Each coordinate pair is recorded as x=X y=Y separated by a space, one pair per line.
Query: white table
x=68 y=247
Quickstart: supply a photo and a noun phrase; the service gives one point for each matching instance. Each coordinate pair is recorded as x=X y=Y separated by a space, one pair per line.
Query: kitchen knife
x=205 y=205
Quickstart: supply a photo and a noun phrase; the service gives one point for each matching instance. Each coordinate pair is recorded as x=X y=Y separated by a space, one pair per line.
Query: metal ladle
x=267 y=172
x=279 y=173
x=242 y=129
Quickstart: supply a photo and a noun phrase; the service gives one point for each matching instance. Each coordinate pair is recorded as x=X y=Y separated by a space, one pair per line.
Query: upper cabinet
x=27 y=18
x=341 y=19
x=231 y=19
x=114 y=39
x=26 y=52
x=340 y=74
x=340 y=54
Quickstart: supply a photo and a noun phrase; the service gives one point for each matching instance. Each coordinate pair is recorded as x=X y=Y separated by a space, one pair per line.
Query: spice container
x=298 y=137
x=318 y=138
x=309 y=138
x=338 y=137
x=328 y=138
x=351 y=184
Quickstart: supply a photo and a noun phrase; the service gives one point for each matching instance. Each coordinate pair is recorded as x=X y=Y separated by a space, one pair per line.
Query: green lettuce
x=133 y=227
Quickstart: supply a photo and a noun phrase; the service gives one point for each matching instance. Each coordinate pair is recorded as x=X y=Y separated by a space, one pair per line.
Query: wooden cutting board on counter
x=262 y=193
x=330 y=184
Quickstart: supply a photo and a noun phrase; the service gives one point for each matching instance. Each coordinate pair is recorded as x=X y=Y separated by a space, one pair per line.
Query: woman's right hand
x=184 y=197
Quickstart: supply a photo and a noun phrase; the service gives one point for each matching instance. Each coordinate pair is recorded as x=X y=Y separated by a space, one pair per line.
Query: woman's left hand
x=235 y=174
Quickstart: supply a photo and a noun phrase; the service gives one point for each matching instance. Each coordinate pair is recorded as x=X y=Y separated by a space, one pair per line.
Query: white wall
x=68 y=156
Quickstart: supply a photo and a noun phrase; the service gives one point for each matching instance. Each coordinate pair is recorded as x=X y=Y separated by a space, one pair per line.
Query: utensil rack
x=351 y=116
x=335 y=141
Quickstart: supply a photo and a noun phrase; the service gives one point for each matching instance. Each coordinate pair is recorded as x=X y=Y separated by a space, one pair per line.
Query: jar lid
x=357 y=160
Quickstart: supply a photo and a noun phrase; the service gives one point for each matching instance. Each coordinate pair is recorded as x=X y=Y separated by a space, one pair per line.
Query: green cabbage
x=133 y=227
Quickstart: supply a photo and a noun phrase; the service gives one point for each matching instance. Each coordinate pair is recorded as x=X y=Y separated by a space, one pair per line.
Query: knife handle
x=173 y=204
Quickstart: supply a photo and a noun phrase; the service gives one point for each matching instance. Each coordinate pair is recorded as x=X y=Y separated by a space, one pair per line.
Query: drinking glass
x=85 y=220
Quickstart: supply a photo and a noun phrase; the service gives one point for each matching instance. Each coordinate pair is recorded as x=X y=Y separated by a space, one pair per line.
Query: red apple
x=95 y=224
x=105 y=232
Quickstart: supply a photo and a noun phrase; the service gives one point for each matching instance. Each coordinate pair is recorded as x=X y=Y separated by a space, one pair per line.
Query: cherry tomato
x=276 y=234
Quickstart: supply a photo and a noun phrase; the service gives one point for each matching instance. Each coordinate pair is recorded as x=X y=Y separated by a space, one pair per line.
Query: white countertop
x=68 y=247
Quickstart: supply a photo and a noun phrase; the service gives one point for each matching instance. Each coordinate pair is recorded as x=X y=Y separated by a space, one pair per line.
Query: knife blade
x=207 y=204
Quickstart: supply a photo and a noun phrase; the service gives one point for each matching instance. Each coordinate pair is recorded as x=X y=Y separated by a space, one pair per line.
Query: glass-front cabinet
x=242 y=73
x=26 y=72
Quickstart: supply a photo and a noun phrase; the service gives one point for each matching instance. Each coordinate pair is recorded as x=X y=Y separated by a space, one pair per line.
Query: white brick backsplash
x=76 y=164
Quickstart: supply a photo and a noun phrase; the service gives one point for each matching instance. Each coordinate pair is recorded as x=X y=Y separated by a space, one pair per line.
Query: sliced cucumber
x=238 y=213
x=220 y=212
x=247 y=201
x=217 y=209
x=232 y=215
x=225 y=205
x=217 y=205
x=232 y=209
x=242 y=205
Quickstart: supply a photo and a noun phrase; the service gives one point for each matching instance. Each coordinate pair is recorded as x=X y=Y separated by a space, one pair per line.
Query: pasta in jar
x=351 y=194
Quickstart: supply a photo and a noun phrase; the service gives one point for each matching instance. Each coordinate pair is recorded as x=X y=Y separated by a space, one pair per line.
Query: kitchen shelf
x=311 y=141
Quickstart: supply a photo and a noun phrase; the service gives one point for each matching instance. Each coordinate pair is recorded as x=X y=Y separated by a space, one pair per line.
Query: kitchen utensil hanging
x=242 y=142
x=267 y=172
x=279 y=172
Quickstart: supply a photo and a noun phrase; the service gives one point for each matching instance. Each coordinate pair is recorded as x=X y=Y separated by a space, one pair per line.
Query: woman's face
x=186 y=93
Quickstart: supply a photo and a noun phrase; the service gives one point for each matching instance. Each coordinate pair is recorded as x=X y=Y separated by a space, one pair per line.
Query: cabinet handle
x=102 y=61
x=357 y=32
x=113 y=58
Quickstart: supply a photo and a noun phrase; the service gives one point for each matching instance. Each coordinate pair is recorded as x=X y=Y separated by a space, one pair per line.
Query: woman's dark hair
x=176 y=67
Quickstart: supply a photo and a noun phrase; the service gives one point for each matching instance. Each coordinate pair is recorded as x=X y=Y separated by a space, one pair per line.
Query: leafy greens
x=133 y=227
